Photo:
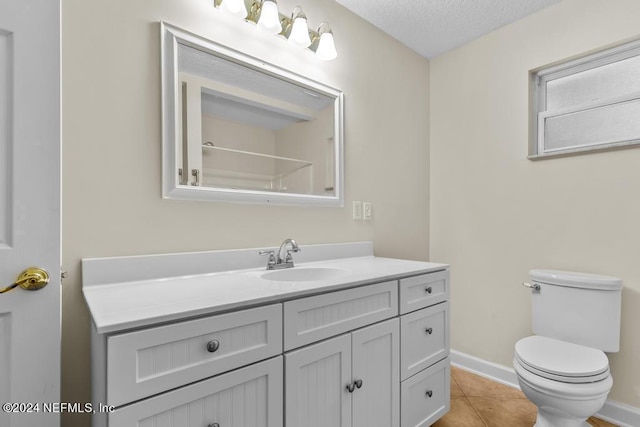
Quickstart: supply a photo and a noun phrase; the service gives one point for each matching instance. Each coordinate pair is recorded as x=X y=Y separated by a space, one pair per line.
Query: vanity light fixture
x=234 y=7
x=265 y=14
x=297 y=30
x=323 y=43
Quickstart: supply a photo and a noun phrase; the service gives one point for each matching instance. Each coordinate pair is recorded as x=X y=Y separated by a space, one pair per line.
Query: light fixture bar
x=265 y=14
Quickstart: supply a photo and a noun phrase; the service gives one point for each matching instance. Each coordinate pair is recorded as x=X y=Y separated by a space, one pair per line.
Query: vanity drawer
x=315 y=318
x=251 y=396
x=154 y=360
x=424 y=290
x=424 y=338
x=425 y=397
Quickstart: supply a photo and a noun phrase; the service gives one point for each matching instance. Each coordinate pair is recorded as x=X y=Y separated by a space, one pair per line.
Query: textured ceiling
x=432 y=27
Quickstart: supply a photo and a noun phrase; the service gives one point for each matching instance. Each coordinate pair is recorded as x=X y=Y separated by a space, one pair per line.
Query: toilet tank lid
x=576 y=280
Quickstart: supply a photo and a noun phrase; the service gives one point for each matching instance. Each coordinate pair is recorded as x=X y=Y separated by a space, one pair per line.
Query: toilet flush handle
x=535 y=286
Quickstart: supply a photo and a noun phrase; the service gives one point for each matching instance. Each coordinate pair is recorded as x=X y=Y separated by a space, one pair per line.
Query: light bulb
x=300 y=33
x=235 y=8
x=326 y=47
x=269 y=17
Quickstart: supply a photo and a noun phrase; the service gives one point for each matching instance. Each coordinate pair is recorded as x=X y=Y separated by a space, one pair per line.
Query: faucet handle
x=272 y=257
x=289 y=257
x=270 y=253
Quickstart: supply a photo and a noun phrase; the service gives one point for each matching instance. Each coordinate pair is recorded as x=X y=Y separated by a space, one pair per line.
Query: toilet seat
x=561 y=361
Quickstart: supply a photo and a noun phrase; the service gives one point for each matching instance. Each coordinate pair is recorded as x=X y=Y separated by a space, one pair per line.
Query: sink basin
x=304 y=274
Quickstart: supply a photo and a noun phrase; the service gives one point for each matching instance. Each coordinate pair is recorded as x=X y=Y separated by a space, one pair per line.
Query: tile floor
x=479 y=402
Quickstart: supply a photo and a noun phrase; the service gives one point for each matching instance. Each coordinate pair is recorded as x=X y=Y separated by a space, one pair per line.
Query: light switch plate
x=357 y=210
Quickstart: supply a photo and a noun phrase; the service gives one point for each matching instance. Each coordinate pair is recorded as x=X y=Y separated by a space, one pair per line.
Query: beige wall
x=495 y=214
x=112 y=201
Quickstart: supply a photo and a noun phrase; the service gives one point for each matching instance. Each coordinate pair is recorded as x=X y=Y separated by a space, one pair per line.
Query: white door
x=376 y=371
x=29 y=209
x=315 y=384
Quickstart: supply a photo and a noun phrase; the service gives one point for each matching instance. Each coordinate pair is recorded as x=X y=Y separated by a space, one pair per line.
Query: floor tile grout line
x=485 y=422
x=464 y=394
x=458 y=385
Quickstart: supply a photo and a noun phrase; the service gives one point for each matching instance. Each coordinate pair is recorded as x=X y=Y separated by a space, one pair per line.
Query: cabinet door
x=315 y=385
x=248 y=397
x=376 y=362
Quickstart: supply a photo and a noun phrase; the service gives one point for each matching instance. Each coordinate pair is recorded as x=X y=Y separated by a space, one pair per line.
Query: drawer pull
x=212 y=347
x=429 y=393
x=213 y=425
x=429 y=331
x=428 y=290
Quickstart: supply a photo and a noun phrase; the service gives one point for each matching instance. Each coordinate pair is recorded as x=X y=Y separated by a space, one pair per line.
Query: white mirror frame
x=171 y=140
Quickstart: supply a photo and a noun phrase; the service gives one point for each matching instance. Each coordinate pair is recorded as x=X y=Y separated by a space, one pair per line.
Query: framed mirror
x=238 y=129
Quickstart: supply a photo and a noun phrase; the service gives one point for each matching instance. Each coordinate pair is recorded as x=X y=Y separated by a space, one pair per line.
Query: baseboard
x=619 y=413
x=613 y=412
x=484 y=368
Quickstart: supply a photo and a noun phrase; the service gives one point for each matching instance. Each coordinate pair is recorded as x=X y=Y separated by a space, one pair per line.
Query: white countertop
x=130 y=304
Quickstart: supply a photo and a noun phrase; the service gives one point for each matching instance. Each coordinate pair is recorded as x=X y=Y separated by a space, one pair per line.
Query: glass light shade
x=300 y=33
x=326 y=47
x=234 y=7
x=269 y=18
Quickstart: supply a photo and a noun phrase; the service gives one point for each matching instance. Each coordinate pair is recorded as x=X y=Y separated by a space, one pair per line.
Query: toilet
x=563 y=369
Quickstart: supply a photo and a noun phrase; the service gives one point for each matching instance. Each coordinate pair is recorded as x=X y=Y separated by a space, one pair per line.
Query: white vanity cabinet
x=369 y=351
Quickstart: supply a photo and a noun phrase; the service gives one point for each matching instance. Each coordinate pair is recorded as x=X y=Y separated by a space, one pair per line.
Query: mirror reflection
x=248 y=128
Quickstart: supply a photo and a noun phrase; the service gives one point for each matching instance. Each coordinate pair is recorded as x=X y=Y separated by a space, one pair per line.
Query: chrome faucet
x=284 y=259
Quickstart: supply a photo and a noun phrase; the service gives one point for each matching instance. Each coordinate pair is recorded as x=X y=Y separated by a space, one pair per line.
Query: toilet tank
x=577 y=307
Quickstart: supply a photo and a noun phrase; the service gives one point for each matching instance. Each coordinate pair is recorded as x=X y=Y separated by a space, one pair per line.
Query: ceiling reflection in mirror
x=248 y=128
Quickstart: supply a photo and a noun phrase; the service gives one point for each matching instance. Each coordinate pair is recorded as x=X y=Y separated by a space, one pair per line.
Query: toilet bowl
x=563 y=369
x=567 y=382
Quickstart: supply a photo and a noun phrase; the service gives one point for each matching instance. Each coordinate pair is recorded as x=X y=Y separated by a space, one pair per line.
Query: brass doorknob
x=31 y=279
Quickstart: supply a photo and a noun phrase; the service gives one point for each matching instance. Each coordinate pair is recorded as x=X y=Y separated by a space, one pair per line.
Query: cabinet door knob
x=429 y=331
x=351 y=387
x=429 y=393
x=428 y=290
x=358 y=383
x=212 y=347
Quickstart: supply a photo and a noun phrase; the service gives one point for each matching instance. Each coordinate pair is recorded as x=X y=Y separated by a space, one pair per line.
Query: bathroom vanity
x=212 y=339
